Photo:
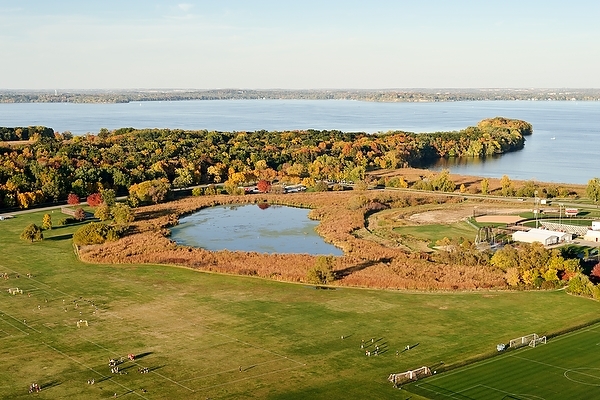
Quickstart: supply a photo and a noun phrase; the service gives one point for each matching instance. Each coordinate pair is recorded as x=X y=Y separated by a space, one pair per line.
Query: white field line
x=138 y=364
x=93 y=370
x=512 y=394
x=495 y=358
x=229 y=371
x=250 y=377
x=14 y=326
x=443 y=394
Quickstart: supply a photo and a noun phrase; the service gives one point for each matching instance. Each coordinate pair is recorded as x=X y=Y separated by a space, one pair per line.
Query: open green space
x=193 y=331
x=566 y=367
x=434 y=232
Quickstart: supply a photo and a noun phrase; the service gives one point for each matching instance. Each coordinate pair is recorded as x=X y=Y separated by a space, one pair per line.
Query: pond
x=260 y=228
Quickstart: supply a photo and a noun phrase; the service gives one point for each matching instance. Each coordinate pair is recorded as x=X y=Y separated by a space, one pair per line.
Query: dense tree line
x=56 y=165
x=389 y=95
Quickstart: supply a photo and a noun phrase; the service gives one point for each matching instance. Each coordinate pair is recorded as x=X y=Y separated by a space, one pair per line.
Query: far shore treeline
x=39 y=165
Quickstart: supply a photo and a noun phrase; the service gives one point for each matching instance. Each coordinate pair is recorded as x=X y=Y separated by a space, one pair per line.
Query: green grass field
x=435 y=232
x=567 y=367
x=193 y=331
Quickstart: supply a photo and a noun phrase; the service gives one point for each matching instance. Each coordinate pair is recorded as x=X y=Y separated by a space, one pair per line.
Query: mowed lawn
x=194 y=331
x=435 y=232
x=567 y=367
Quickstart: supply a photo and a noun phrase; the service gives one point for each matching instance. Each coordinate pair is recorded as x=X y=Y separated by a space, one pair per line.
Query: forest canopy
x=53 y=165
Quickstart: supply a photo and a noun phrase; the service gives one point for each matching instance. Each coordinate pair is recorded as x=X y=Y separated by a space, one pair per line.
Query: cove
x=259 y=228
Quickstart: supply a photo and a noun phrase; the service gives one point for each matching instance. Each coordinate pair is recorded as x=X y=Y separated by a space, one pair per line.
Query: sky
x=292 y=44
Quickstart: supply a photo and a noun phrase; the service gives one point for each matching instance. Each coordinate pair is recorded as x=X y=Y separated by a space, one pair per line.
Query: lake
x=565 y=145
x=272 y=229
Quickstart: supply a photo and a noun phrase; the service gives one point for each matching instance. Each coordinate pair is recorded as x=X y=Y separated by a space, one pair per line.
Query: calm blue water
x=276 y=229
x=565 y=146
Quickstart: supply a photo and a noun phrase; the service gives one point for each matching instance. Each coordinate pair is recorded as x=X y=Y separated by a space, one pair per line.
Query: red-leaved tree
x=72 y=199
x=94 y=199
x=263 y=186
x=595 y=274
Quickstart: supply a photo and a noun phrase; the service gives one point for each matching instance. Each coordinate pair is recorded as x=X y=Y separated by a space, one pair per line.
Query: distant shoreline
x=383 y=95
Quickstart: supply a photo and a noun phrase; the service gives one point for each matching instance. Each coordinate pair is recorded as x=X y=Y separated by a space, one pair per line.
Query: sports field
x=198 y=335
x=567 y=367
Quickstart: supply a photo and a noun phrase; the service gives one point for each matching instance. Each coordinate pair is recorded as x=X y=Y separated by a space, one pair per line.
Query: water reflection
x=261 y=228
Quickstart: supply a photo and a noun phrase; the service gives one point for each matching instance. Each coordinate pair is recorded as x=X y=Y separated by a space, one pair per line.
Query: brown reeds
x=365 y=263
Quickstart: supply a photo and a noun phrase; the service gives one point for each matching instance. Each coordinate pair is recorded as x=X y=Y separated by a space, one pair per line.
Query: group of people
x=34 y=387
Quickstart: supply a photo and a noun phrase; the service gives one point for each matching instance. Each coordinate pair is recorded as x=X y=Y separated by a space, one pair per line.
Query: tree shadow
x=60 y=237
x=47 y=385
x=148 y=215
x=342 y=273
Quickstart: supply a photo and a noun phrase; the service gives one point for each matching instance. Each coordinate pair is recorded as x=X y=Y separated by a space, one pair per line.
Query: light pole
x=537 y=209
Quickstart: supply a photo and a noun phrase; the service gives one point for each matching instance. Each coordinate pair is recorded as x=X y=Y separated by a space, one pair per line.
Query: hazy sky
x=299 y=44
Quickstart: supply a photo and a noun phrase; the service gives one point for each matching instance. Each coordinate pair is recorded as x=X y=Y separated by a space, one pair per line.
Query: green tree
x=593 y=190
x=109 y=197
x=102 y=212
x=122 y=214
x=321 y=273
x=32 y=233
x=47 y=222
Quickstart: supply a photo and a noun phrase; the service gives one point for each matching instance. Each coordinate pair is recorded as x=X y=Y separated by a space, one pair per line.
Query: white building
x=596 y=225
x=544 y=236
x=592 y=236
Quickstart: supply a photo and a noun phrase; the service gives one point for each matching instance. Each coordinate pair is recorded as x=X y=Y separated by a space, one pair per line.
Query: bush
x=32 y=233
x=95 y=233
x=321 y=273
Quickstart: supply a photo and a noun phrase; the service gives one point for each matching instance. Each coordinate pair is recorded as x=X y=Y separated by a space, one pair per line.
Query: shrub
x=95 y=233
x=197 y=191
x=32 y=233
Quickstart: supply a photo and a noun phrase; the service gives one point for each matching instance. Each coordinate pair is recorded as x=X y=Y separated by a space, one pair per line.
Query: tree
x=593 y=190
x=79 y=214
x=94 y=199
x=485 y=186
x=109 y=197
x=321 y=273
x=506 y=184
x=31 y=233
x=72 y=199
x=102 y=212
x=595 y=274
x=122 y=214
x=263 y=186
x=47 y=222
x=149 y=192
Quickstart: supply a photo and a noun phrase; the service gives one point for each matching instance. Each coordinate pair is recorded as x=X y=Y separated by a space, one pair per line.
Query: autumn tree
x=263 y=186
x=32 y=233
x=109 y=197
x=485 y=186
x=79 y=214
x=506 y=185
x=94 y=199
x=72 y=199
x=47 y=222
x=149 y=192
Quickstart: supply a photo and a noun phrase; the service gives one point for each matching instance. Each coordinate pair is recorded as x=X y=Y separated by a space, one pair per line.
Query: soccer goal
x=523 y=340
x=411 y=375
x=535 y=342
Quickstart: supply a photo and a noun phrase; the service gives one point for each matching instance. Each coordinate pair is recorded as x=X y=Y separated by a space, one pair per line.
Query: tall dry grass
x=364 y=263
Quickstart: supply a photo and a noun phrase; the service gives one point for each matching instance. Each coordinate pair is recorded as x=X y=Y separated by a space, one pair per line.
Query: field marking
x=250 y=377
x=108 y=378
x=14 y=326
x=156 y=373
x=513 y=394
x=229 y=371
x=581 y=373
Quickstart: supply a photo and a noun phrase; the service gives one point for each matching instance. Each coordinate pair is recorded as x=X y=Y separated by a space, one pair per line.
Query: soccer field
x=567 y=367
